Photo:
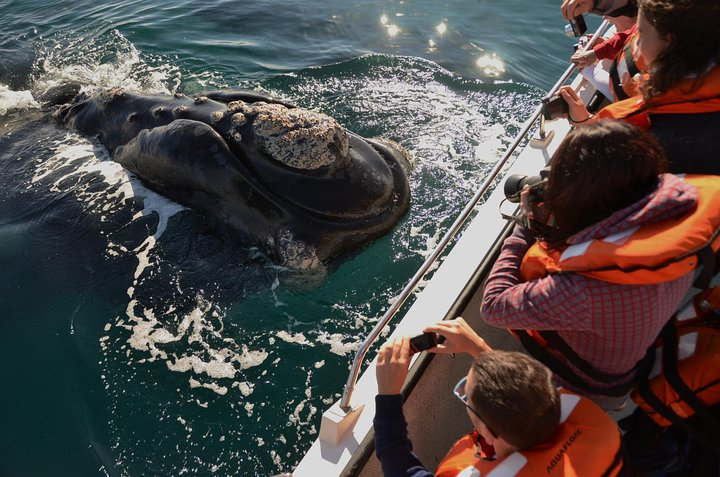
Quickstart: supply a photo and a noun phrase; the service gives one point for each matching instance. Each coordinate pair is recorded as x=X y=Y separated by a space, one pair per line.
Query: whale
x=294 y=182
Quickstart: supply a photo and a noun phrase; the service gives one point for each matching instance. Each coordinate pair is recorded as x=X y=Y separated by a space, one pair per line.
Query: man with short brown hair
x=523 y=425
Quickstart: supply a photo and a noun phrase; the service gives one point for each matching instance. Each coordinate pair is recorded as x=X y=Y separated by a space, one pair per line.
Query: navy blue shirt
x=392 y=446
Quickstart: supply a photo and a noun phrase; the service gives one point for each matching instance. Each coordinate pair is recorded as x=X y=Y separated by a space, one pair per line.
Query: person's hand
x=573 y=8
x=526 y=207
x=532 y=209
x=578 y=114
x=459 y=338
x=392 y=366
x=595 y=43
x=584 y=58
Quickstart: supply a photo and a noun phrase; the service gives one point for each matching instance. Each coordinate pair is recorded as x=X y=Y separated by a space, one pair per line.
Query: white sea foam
x=12 y=101
x=337 y=343
x=129 y=70
x=221 y=390
x=297 y=338
x=246 y=388
x=492 y=144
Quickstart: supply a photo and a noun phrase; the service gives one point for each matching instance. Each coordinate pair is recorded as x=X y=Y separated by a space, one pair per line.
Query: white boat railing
x=451 y=233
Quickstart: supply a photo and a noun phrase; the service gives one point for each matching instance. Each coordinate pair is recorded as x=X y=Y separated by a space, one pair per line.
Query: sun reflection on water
x=491 y=64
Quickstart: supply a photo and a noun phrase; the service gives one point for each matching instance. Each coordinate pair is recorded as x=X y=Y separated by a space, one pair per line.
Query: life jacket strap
x=557 y=343
x=542 y=354
x=708 y=259
x=620 y=93
x=630 y=59
x=632 y=70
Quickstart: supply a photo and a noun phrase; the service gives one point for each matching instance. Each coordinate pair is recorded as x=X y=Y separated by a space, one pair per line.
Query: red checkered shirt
x=609 y=325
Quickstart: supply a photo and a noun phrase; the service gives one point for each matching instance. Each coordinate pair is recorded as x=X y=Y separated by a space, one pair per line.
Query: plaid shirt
x=609 y=325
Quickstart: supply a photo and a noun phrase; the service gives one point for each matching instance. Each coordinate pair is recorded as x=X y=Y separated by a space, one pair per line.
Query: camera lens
x=515 y=183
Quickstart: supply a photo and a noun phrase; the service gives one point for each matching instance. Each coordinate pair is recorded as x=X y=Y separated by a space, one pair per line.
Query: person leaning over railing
x=612 y=264
x=679 y=41
x=624 y=72
x=522 y=425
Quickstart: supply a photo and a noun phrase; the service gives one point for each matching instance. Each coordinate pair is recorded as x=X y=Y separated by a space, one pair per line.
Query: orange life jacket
x=691 y=95
x=652 y=253
x=626 y=69
x=587 y=444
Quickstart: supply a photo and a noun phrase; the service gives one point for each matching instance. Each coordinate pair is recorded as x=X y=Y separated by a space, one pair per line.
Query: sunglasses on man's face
x=459 y=391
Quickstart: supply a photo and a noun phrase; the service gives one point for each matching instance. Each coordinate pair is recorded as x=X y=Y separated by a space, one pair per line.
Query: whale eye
x=158 y=111
x=132 y=117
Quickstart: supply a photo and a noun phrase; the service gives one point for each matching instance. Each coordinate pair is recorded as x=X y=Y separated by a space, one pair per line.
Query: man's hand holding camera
x=392 y=366
x=459 y=338
x=394 y=356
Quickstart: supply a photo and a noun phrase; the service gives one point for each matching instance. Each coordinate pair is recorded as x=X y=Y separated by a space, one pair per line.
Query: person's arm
x=611 y=47
x=573 y=8
x=392 y=446
x=584 y=58
x=550 y=303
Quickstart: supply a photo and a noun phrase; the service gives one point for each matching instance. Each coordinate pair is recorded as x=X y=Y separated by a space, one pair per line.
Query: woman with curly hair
x=588 y=294
x=679 y=40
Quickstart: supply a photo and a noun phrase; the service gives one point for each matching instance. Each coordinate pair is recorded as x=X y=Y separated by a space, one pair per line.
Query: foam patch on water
x=493 y=144
x=196 y=330
x=338 y=343
x=76 y=164
x=13 y=101
x=297 y=338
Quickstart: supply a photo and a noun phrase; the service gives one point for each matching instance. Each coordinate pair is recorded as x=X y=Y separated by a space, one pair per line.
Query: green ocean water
x=138 y=340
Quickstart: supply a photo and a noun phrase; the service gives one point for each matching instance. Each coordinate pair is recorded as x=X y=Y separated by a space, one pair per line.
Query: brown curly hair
x=692 y=28
x=596 y=171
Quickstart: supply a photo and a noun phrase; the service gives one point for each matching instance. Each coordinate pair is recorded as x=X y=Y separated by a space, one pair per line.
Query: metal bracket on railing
x=337 y=420
x=544 y=139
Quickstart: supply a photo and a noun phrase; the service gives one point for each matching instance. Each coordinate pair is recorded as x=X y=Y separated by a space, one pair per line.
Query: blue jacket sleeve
x=392 y=446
